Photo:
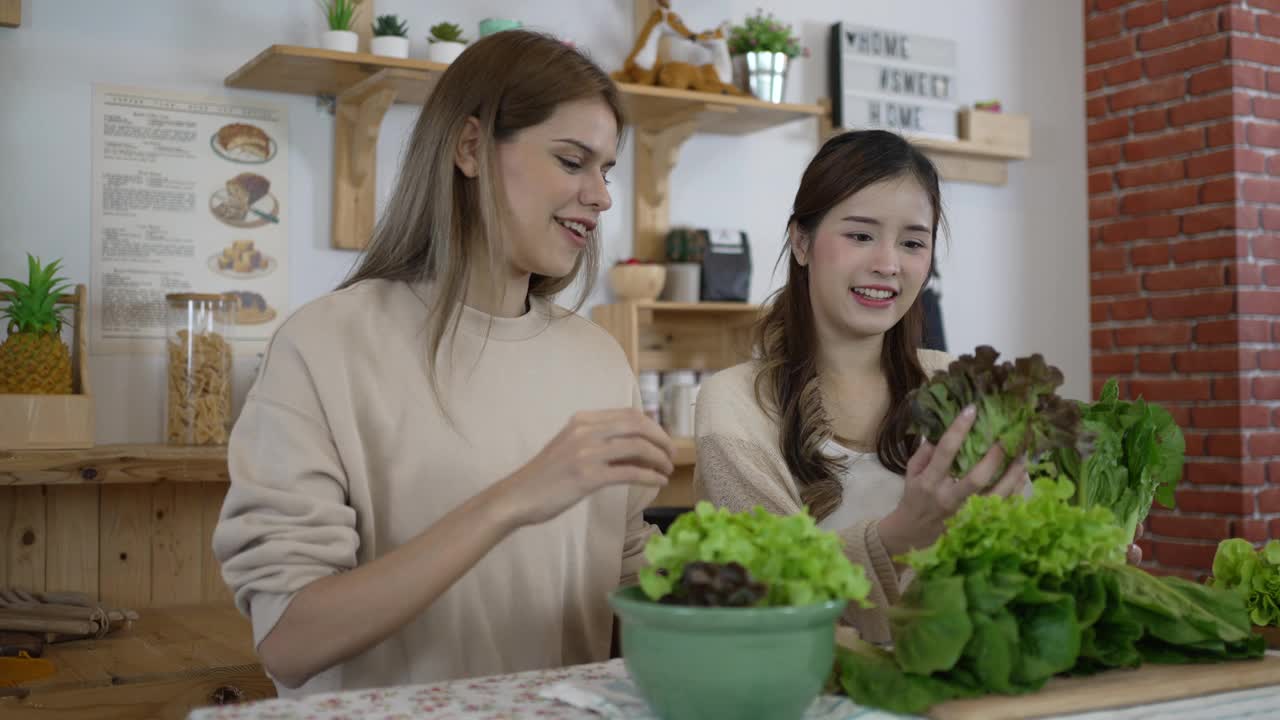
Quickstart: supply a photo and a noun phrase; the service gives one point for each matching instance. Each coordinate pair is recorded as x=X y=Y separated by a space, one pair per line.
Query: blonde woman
x=819 y=417
x=439 y=473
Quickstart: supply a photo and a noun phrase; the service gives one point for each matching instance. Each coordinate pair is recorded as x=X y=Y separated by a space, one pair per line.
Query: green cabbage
x=800 y=563
x=1253 y=574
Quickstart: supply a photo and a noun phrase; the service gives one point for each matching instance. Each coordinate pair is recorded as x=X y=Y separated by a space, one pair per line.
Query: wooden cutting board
x=1117 y=689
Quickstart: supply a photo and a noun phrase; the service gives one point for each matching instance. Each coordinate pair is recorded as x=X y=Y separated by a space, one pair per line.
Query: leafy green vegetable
x=1253 y=575
x=1018 y=590
x=871 y=676
x=1016 y=403
x=931 y=626
x=1136 y=458
x=1040 y=536
x=798 y=562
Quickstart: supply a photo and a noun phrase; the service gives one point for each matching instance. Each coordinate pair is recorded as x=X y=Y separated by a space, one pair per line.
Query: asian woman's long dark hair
x=786 y=338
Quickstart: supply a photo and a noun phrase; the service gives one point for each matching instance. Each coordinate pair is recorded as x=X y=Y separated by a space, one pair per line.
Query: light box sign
x=893 y=80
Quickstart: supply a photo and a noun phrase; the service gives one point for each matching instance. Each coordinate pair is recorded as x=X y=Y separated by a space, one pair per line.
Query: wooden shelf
x=144 y=464
x=962 y=160
x=966 y=148
x=700 y=308
x=966 y=161
x=686 y=453
x=311 y=71
x=363 y=86
x=109 y=464
x=680 y=336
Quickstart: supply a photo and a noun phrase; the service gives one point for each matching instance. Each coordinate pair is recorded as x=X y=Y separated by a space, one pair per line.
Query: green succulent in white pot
x=446 y=43
x=340 y=17
x=390 y=37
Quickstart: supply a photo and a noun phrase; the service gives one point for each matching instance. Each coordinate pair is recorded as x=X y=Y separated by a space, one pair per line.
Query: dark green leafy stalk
x=1017 y=591
x=797 y=562
x=390 y=25
x=1253 y=575
x=1132 y=456
x=1017 y=406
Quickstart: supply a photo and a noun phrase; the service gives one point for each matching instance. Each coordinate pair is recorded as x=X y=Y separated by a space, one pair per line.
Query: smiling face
x=554 y=178
x=868 y=258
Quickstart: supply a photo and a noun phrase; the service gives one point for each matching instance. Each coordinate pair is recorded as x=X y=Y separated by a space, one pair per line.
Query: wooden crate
x=48 y=422
x=10 y=13
x=996 y=131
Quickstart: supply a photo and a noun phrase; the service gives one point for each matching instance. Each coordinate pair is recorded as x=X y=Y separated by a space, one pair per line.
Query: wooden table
x=1208 y=693
x=170 y=661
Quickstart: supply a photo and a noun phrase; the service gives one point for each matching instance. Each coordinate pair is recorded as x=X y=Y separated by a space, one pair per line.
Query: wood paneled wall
x=131 y=545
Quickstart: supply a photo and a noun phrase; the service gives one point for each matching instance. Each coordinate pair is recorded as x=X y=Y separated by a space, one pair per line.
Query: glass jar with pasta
x=198 y=348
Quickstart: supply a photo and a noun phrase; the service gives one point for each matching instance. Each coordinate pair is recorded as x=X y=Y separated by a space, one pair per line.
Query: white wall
x=1015 y=276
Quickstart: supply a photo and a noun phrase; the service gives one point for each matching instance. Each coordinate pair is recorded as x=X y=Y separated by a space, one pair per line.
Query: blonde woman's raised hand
x=595 y=449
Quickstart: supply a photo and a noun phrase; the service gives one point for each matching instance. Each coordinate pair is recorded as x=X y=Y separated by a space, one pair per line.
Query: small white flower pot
x=390 y=45
x=444 y=51
x=684 y=282
x=340 y=40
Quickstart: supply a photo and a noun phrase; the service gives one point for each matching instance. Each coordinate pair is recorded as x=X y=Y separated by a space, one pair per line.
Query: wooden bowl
x=637 y=282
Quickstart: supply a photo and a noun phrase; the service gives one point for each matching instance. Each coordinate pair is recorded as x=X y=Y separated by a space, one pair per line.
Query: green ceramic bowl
x=695 y=663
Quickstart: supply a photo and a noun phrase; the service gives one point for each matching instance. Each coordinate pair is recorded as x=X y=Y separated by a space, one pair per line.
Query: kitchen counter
x=169 y=661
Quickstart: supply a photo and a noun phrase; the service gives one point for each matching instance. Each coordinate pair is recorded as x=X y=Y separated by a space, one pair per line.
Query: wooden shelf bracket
x=655 y=156
x=357 y=122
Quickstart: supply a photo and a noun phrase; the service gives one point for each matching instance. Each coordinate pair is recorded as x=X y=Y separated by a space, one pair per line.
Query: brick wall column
x=1183 y=101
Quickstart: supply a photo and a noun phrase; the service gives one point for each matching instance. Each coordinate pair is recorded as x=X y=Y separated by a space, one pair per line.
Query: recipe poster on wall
x=188 y=196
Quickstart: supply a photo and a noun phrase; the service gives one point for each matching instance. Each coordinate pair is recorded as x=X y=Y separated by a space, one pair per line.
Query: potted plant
x=635 y=280
x=492 y=25
x=390 y=37
x=341 y=16
x=33 y=359
x=44 y=391
x=684 y=264
x=762 y=48
x=735 y=616
x=446 y=43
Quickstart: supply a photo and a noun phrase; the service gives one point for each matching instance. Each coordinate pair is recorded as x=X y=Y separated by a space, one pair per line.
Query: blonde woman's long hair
x=437 y=221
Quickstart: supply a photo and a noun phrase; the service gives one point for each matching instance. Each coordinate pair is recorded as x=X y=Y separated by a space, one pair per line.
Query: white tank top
x=871 y=490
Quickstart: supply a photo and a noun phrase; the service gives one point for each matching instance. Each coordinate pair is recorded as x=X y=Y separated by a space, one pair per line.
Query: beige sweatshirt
x=341 y=454
x=740 y=465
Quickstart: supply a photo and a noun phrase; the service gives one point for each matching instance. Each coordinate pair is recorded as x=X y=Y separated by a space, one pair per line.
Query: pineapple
x=33 y=359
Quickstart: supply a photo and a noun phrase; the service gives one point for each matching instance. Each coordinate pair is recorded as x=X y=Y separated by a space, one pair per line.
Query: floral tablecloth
x=605 y=691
